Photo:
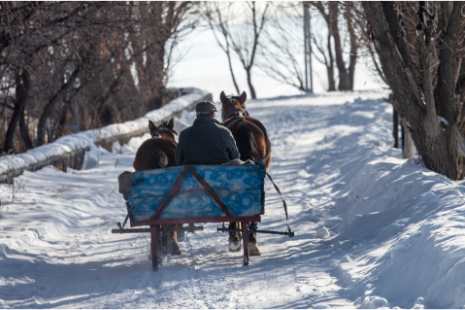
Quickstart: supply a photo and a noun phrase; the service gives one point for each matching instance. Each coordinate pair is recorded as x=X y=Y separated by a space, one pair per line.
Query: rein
x=238 y=115
x=291 y=234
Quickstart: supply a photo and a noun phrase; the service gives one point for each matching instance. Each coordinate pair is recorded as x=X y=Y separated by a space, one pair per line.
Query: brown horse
x=250 y=134
x=253 y=143
x=159 y=152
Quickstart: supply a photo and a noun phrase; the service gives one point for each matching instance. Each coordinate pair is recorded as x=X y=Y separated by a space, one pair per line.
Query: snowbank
x=84 y=139
x=399 y=228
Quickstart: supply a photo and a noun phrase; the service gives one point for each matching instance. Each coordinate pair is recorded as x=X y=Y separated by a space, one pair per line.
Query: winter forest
x=361 y=110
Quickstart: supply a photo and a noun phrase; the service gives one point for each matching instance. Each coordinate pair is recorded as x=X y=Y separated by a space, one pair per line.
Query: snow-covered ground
x=372 y=230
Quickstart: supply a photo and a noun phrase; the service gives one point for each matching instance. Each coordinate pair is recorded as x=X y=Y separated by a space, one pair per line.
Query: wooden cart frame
x=154 y=222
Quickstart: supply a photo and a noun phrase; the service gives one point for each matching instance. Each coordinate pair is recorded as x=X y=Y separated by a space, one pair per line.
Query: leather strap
x=256 y=126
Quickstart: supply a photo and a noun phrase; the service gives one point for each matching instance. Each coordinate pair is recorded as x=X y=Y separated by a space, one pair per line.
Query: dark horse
x=251 y=140
x=159 y=152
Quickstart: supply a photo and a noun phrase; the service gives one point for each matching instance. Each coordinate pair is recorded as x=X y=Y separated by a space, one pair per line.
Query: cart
x=162 y=198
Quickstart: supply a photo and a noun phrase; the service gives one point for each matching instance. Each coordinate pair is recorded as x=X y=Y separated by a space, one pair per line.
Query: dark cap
x=205 y=106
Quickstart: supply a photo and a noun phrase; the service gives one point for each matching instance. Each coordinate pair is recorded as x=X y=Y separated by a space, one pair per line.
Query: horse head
x=164 y=131
x=232 y=105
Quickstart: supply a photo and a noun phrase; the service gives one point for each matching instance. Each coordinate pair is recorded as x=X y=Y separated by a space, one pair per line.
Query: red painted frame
x=156 y=221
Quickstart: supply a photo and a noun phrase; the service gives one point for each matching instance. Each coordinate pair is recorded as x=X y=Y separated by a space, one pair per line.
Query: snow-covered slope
x=372 y=230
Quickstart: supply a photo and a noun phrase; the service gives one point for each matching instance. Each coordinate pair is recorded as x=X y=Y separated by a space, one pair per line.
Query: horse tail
x=158 y=159
x=245 y=142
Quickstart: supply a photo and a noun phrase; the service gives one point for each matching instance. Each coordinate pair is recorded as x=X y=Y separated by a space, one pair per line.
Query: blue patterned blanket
x=240 y=188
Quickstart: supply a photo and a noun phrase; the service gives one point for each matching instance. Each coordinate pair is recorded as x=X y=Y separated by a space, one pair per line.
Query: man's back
x=207 y=141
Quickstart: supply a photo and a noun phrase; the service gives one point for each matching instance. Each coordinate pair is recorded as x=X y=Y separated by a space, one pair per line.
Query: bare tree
x=113 y=58
x=215 y=21
x=243 y=31
x=330 y=13
x=281 y=50
x=424 y=69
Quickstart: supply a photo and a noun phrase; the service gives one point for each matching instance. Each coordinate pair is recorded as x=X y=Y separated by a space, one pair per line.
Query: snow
x=86 y=138
x=371 y=230
x=442 y=120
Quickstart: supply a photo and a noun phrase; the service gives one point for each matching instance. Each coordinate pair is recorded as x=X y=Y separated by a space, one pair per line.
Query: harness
x=158 y=136
x=239 y=115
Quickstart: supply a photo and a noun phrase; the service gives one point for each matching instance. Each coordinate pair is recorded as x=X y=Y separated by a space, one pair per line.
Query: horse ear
x=243 y=97
x=171 y=124
x=152 y=127
x=223 y=97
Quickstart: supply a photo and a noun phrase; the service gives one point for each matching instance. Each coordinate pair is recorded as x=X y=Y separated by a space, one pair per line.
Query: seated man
x=207 y=141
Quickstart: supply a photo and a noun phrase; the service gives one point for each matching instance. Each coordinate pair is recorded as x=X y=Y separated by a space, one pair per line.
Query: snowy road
x=362 y=239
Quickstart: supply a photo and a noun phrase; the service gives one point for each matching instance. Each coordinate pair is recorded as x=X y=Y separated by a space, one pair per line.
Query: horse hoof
x=175 y=250
x=234 y=246
x=253 y=249
x=180 y=236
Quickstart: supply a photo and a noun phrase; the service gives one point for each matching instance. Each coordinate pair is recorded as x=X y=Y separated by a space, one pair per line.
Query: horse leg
x=252 y=238
x=173 y=239
x=156 y=245
x=164 y=240
x=234 y=237
x=153 y=247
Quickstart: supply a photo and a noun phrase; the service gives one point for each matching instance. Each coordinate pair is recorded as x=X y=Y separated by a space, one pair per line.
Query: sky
x=205 y=65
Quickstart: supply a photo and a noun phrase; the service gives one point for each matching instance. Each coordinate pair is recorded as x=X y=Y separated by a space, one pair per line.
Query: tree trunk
x=25 y=131
x=23 y=86
x=59 y=128
x=344 y=82
x=409 y=150
x=155 y=63
x=49 y=106
x=249 y=82
x=330 y=67
x=412 y=84
x=232 y=72
x=353 y=46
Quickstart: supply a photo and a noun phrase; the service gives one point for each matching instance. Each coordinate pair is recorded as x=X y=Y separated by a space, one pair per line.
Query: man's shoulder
x=223 y=128
x=185 y=131
x=209 y=122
